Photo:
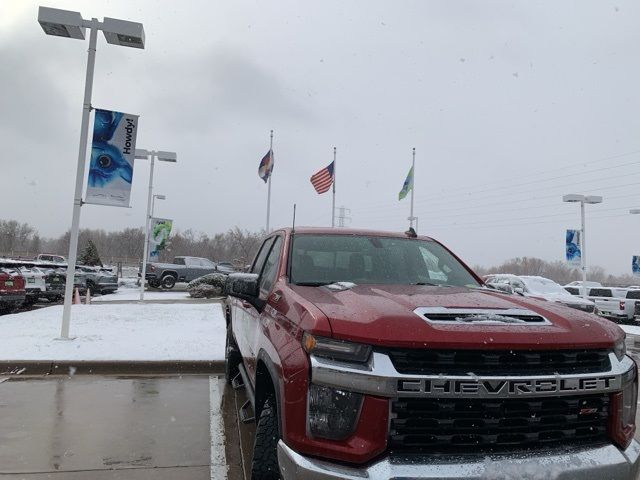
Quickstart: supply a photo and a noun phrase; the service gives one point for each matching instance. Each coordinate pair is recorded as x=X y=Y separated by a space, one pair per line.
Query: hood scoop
x=485 y=316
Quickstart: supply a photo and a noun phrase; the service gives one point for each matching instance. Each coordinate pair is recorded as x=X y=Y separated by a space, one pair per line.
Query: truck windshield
x=325 y=259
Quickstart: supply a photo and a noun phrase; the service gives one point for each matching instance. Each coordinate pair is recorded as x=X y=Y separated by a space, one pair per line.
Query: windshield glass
x=544 y=286
x=323 y=259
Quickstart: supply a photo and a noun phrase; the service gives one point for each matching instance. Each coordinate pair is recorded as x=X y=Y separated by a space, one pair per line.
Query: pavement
x=99 y=428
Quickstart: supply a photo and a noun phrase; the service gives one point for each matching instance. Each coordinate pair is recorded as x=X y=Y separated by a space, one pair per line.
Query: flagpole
x=269 y=187
x=413 y=183
x=333 y=202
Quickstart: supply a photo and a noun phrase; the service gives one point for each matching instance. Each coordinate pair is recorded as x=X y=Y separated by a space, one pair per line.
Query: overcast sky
x=509 y=105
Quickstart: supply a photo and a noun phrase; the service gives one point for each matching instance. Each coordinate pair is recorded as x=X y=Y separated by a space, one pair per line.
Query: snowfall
x=136 y=332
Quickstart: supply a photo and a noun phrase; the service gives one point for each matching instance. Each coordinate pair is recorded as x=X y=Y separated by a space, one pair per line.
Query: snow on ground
x=128 y=294
x=631 y=329
x=152 y=332
x=128 y=282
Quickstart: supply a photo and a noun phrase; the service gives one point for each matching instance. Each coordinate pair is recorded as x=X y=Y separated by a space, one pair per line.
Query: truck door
x=267 y=279
x=242 y=311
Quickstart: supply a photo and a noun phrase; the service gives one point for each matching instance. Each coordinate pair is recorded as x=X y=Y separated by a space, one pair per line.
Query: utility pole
x=344 y=215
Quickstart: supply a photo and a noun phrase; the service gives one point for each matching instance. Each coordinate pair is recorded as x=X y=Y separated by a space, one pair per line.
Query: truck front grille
x=421 y=425
x=498 y=362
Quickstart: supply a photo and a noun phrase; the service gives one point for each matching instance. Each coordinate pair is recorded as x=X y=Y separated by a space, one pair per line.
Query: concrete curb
x=132 y=367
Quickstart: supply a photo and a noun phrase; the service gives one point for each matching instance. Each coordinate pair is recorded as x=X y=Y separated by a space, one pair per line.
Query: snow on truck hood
x=385 y=315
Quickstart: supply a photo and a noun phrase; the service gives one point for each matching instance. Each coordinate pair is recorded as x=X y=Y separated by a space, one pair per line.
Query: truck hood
x=384 y=315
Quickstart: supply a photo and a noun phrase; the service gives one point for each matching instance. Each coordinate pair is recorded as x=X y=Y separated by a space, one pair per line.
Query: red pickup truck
x=376 y=355
x=12 y=290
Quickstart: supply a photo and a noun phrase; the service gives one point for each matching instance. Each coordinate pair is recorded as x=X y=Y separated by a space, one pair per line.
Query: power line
x=444 y=211
x=502 y=182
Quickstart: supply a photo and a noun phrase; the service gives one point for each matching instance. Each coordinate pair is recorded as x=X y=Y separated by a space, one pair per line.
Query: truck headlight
x=620 y=348
x=622 y=416
x=336 y=349
x=333 y=414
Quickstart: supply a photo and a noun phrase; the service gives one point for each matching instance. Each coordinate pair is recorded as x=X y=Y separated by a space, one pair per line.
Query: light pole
x=153 y=203
x=163 y=157
x=64 y=23
x=583 y=199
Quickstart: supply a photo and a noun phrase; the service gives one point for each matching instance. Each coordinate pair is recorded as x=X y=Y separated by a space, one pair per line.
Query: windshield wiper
x=427 y=283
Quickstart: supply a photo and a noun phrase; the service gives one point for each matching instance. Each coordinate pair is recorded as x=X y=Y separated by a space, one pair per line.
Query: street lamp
x=163 y=157
x=153 y=203
x=583 y=199
x=63 y=23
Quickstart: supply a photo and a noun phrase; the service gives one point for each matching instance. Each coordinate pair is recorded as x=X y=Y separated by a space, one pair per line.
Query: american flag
x=323 y=180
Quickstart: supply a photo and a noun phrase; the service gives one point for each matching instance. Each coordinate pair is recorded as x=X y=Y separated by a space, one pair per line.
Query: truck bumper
x=593 y=463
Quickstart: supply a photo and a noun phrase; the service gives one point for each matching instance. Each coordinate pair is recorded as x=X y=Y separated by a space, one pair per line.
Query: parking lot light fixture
x=634 y=211
x=583 y=199
x=151 y=155
x=68 y=24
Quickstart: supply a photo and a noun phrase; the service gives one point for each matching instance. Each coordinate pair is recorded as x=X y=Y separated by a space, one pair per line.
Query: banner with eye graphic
x=573 y=247
x=112 y=153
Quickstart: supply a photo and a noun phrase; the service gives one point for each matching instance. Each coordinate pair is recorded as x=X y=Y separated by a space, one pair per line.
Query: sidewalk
x=114 y=338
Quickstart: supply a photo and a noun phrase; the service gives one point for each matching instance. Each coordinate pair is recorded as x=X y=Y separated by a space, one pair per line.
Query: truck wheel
x=155 y=283
x=264 y=465
x=232 y=357
x=168 y=282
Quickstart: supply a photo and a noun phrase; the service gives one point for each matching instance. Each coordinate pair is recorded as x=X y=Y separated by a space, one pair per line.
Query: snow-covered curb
x=132 y=332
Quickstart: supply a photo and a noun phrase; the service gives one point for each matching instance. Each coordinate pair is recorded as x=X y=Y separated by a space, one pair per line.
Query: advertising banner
x=635 y=265
x=573 y=248
x=158 y=236
x=112 y=153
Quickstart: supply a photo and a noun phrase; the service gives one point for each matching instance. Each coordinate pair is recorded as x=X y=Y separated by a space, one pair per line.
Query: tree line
x=236 y=245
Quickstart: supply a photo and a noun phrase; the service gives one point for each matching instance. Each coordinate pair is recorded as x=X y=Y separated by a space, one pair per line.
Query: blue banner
x=573 y=247
x=112 y=154
x=635 y=265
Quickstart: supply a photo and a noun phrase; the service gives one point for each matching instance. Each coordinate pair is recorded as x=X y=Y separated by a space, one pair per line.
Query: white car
x=34 y=283
x=540 y=287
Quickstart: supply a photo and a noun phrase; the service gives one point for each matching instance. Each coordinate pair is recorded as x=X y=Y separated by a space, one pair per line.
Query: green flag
x=408 y=185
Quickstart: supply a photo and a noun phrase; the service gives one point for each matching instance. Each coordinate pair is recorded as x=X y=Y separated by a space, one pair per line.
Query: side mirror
x=244 y=286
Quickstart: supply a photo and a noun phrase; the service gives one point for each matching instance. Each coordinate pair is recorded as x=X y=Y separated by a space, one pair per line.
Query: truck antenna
x=293 y=226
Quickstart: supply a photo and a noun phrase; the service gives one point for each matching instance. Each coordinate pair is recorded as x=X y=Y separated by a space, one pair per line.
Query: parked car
x=183 y=269
x=578 y=283
x=540 y=287
x=633 y=295
x=98 y=280
x=12 y=290
x=378 y=355
x=35 y=284
x=612 y=302
x=50 y=258
x=55 y=280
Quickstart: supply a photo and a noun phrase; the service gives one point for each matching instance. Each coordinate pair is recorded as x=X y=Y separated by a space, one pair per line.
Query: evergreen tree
x=89 y=255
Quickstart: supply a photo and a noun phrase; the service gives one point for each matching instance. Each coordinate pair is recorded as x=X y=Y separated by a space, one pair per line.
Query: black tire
x=154 y=283
x=232 y=358
x=168 y=281
x=264 y=465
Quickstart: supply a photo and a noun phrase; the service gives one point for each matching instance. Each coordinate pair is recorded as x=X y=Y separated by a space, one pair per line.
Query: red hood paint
x=383 y=315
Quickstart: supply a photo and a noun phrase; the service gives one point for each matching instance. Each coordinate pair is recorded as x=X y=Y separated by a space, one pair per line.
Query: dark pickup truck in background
x=183 y=269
